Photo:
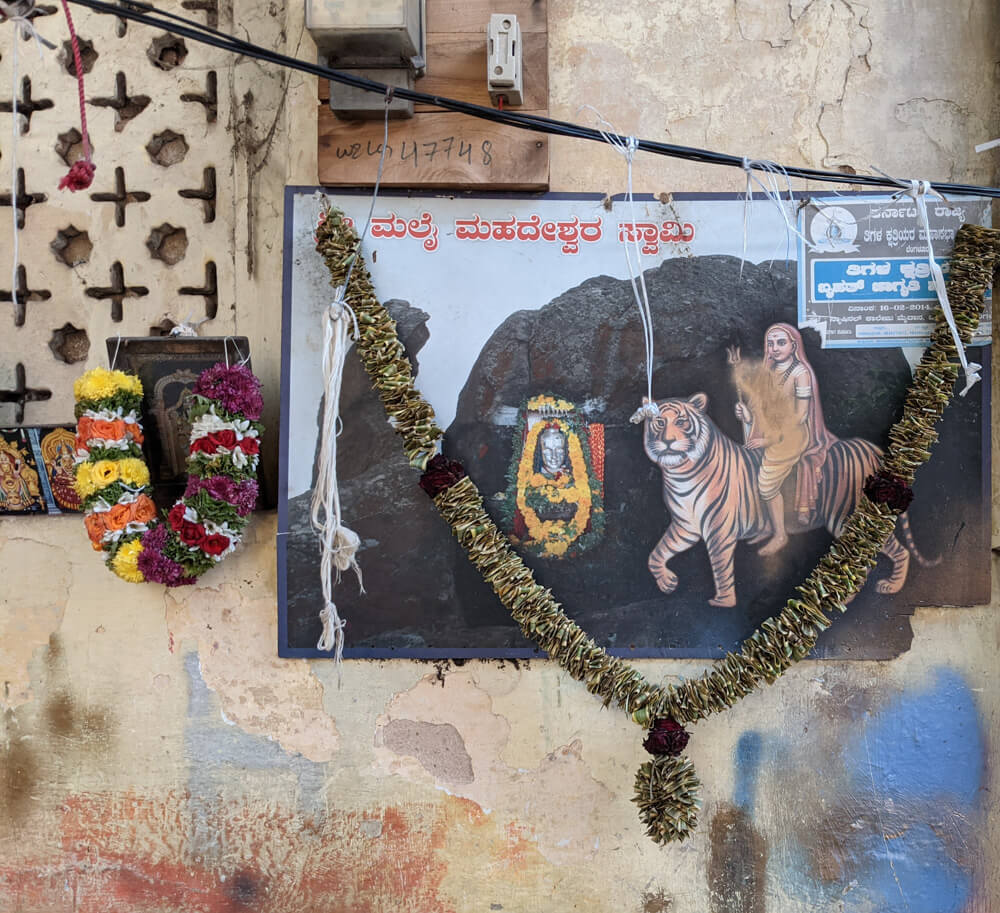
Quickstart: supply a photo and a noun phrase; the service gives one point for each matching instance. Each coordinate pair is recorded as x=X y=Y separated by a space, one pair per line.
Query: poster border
x=511 y=653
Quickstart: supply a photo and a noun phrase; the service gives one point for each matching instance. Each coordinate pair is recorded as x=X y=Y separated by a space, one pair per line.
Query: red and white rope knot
x=81 y=173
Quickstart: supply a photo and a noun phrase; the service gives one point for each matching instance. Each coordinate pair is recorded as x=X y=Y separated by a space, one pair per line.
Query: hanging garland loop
x=666 y=787
x=113 y=481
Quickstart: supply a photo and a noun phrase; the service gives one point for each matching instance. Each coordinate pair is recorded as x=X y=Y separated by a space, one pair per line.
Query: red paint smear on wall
x=125 y=852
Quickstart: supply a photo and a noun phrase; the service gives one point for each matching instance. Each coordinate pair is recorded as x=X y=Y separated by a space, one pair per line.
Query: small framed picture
x=37 y=471
x=168 y=367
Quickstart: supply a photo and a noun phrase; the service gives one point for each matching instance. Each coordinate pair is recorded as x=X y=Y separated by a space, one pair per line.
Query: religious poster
x=670 y=529
x=37 y=470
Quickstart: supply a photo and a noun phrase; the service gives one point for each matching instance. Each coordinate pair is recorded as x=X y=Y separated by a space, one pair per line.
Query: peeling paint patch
x=437 y=746
x=560 y=796
x=29 y=614
x=260 y=693
x=127 y=852
x=657 y=902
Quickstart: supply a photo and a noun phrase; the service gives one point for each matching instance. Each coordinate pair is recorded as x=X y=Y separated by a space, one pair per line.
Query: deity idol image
x=784 y=417
x=19 y=486
x=57 y=451
x=555 y=501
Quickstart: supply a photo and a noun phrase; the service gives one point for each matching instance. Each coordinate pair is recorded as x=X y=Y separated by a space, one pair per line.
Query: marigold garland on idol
x=113 y=481
x=666 y=788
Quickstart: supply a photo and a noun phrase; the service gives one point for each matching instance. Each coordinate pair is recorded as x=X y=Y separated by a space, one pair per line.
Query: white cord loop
x=339 y=544
x=918 y=191
x=627 y=149
x=772 y=191
x=19 y=13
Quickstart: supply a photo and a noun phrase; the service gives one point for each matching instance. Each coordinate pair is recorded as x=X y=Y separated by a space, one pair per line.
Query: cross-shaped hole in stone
x=24 y=198
x=23 y=394
x=21 y=295
x=125 y=106
x=210 y=98
x=121 y=197
x=209 y=291
x=118 y=291
x=209 y=7
x=205 y=193
x=26 y=105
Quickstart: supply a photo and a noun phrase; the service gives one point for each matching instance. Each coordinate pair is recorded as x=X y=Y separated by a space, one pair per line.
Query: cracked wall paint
x=236 y=635
x=28 y=619
x=810 y=82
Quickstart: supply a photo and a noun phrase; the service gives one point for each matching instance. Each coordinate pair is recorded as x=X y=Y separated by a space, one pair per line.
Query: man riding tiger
x=721 y=493
x=783 y=415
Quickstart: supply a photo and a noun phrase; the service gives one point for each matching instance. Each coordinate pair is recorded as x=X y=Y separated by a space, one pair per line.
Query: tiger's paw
x=666 y=580
x=887 y=587
x=723 y=602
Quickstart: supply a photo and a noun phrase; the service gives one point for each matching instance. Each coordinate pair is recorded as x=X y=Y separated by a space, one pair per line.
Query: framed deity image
x=675 y=534
x=37 y=470
x=168 y=366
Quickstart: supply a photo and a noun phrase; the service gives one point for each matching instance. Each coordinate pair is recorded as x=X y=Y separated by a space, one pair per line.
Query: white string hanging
x=627 y=150
x=19 y=15
x=339 y=544
x=918 y=191
x=772 y=191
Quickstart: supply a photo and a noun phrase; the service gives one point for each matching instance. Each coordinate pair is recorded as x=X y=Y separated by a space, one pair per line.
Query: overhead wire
x=145 y=13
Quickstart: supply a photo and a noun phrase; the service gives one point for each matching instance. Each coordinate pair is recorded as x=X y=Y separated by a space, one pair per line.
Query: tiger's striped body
x=710 y=489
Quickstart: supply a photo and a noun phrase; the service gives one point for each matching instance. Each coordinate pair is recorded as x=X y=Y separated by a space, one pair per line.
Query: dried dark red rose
x=440 y=474
x=666 y=737
x=887 y=488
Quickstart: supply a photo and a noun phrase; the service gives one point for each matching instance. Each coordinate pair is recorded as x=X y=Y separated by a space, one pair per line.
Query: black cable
x=147 y=14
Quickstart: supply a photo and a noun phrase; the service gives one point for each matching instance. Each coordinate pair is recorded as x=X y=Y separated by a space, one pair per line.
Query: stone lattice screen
x=151 y=238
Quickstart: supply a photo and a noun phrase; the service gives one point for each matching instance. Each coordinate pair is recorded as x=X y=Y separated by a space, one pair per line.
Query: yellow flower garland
x=555 y=536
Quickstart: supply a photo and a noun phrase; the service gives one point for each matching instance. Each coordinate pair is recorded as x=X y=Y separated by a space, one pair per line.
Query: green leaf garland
x=666 y=788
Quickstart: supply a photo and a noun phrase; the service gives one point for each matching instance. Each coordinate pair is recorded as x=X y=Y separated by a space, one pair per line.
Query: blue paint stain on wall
x=896 y=817
x=218 y=752
x=929 y=743
x=913 y=873
x=918 y=765
x=747 y=762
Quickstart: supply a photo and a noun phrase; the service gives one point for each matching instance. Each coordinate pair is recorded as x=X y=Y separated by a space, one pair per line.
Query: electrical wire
x=145 y=13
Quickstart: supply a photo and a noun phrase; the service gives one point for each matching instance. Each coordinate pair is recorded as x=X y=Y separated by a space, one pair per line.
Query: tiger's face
x=680 y=434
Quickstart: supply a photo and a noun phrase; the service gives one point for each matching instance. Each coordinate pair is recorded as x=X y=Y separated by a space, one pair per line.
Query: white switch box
x=503 y=58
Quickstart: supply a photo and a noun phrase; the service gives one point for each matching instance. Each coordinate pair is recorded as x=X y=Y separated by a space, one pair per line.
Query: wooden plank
x=456 y=68
x=440 y=150
x=472 y=15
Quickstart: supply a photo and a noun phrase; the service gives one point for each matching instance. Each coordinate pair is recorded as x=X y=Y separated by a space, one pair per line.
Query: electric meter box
x=381 y=40
x=367 y=33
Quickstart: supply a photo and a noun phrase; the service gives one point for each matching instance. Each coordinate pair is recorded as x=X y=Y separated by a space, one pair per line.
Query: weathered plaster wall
x=156 y=755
